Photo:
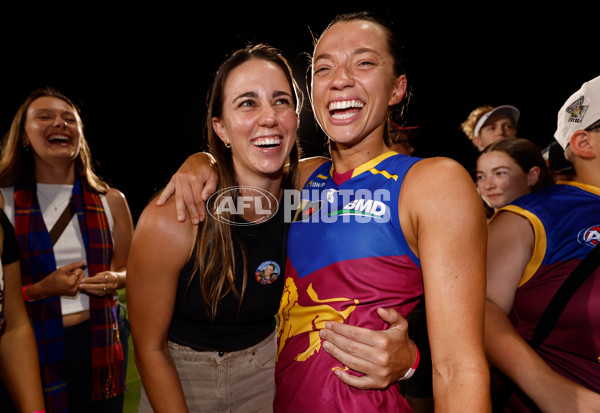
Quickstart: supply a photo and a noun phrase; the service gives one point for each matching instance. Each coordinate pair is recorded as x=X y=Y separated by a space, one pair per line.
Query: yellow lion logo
x=295 y=319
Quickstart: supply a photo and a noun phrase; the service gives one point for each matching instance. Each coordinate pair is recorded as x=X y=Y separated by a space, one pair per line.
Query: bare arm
x=444 y=223
x=19 y=365
x=510 y=248
x=161 y=246
x=195 y=181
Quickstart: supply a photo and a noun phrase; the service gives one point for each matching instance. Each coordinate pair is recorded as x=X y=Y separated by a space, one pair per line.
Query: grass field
x=133 y=383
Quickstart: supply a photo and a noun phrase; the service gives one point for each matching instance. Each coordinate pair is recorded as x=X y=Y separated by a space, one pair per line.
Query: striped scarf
x=38 y=261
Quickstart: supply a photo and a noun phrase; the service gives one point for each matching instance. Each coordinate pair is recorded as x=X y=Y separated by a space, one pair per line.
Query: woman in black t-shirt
x=21 y=384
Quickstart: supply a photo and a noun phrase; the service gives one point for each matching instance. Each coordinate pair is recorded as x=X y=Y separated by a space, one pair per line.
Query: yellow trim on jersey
x=589 y=188
x=539 y=250
x=370 y=166
x=321 y=176
x=384 y=173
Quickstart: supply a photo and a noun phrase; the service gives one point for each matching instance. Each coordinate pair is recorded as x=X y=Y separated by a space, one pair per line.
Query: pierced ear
x=24 y=140
x=533 y=175
x=220 y=130
x=400 y=86
x=581 y=145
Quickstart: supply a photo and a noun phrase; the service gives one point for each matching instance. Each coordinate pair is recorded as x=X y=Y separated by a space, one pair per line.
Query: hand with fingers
x=63 y=281
x=101 y=284
x=192 y=184
x=383 y=356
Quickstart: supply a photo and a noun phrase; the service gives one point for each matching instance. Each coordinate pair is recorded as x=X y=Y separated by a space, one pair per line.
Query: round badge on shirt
x=267 y=272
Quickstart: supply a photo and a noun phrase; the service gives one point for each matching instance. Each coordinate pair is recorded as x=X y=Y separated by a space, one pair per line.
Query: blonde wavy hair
x=468 y=126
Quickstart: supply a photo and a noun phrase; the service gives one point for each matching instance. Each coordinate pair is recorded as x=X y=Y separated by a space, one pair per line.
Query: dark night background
x=140 y=75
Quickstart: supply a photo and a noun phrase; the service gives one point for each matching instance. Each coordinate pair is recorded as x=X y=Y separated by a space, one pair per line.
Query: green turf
x=133 y=383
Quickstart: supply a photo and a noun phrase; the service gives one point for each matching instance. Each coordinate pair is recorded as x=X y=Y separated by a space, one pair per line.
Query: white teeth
x=266 y=141
x=345 y=104
x=343 y=115
x=58 y=138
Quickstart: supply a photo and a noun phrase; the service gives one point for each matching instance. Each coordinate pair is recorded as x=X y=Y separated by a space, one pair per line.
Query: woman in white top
x=69 y=275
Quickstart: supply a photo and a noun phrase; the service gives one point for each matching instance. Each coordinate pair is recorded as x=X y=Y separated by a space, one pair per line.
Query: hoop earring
x=227 y=145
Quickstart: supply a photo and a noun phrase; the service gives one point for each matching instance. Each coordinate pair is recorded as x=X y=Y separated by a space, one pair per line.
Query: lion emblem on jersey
x=295 y=319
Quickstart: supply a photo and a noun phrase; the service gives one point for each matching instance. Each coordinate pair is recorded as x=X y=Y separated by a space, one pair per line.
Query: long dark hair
x=214 y=250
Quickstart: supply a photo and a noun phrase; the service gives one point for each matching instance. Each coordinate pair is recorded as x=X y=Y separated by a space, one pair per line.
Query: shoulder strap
x=564 y=294
x=62 y=222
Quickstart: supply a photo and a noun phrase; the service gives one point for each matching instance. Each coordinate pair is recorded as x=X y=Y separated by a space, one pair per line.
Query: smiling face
x=258 y=118
x=52 y=129
x=353 y=82
x=500 y=180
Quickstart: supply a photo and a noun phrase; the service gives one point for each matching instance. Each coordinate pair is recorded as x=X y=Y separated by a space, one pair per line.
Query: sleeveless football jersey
x=347 y=257
x=566 y=223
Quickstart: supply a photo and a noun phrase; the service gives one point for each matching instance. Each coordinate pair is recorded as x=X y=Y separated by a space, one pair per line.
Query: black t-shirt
x=236 y=328
x=10 y=254
x=10 y=248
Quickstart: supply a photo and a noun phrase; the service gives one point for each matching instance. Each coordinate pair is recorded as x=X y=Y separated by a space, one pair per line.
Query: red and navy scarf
x=46 y=317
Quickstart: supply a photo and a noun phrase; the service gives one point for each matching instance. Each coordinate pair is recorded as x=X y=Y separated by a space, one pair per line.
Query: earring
x=227 y=145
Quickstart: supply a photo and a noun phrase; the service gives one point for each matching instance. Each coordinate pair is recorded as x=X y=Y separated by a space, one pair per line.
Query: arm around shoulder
x=192 y=185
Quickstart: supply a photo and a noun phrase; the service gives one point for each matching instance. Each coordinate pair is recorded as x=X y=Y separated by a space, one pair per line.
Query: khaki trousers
x=214 y=382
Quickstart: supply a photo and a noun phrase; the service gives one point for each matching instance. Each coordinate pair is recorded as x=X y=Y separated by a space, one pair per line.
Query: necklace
x=56 y=196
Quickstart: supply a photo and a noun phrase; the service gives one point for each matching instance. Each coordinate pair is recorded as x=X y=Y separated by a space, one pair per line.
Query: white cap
x=506 y=110
x=580 y=111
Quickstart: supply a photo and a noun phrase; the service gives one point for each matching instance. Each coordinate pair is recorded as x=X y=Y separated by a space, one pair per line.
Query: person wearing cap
x=533 y=246
x=554 y=155
x=487 y=124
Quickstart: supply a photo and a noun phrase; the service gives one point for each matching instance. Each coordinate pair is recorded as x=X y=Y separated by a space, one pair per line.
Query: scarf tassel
x=109 y=381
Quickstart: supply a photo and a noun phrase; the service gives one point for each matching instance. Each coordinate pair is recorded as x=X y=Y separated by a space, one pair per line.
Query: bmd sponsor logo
x=375 y=209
